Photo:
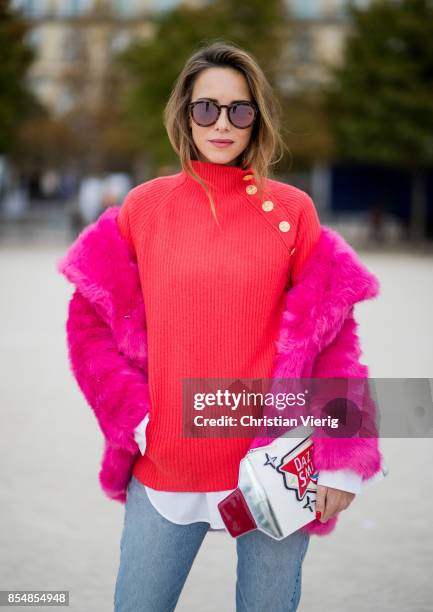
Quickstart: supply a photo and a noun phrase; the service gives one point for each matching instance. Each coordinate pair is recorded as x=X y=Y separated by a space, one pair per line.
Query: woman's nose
x=223 y=119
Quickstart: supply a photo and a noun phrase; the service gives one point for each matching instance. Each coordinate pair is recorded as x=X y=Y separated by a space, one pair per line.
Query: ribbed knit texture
x=213 y=301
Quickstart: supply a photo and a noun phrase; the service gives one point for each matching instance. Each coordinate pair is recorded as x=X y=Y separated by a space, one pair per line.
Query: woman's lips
x=221 y=144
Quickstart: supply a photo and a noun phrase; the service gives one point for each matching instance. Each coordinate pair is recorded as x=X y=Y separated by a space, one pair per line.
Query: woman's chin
x=220 y=157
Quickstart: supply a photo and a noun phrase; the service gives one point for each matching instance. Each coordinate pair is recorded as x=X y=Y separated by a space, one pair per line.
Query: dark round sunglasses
x=206 y=112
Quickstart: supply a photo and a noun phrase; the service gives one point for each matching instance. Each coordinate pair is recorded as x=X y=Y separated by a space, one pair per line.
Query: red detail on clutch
x=302 y=467
x=236 y=514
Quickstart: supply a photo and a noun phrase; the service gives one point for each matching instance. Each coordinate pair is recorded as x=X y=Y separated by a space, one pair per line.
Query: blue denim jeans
x=156 y=556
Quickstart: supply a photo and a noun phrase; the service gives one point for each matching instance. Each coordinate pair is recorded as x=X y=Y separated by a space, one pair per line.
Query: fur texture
x=107 y=343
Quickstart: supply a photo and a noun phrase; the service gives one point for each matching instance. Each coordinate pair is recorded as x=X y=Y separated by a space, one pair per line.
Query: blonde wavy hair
x=266 y=141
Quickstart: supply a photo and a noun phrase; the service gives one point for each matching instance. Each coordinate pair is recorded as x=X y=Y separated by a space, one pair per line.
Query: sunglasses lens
x=242 y=115
x=205 y=113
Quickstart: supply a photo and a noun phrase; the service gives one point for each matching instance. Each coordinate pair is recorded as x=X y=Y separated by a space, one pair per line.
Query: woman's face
x=224 y=85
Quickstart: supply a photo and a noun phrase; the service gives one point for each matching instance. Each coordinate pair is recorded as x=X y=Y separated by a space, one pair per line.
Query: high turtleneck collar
x=220 y=177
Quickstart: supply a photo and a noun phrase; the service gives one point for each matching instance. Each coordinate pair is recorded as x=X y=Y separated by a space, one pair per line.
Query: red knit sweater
x=213 y=300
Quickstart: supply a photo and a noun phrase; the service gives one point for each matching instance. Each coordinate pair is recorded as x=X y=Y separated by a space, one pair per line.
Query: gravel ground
x=60 y=532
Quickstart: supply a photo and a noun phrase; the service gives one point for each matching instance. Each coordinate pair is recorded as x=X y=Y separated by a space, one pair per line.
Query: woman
x=169 y=287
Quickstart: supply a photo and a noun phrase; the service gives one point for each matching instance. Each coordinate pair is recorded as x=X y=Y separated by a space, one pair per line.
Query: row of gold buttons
x=267 y=206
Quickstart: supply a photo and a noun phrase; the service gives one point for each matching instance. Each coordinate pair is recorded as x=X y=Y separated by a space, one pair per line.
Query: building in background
x=321 y=27
x=75 y=41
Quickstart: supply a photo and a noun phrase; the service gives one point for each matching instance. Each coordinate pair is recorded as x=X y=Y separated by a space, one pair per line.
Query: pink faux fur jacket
x=107 y=343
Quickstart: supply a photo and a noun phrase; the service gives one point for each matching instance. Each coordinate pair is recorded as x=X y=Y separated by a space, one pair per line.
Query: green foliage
x=15 y=58
x=153 y=65
x=382 y=100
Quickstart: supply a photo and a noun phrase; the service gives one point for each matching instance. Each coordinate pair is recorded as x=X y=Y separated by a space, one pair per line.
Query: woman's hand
x=330 y=501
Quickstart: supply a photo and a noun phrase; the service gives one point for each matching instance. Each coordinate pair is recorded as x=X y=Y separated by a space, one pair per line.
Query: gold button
x=267 y=205
x=251 y=189
x=293 y=250
x=248 y=177
x=284 y=226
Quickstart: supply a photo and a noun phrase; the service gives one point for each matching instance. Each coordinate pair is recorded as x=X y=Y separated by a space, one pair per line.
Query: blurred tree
x=154 y=65
x=15 y=59
x=306 y=128
x=45 y=142
x=382 y=98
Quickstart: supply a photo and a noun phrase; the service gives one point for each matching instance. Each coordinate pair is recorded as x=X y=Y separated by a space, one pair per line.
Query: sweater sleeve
x=307 y=235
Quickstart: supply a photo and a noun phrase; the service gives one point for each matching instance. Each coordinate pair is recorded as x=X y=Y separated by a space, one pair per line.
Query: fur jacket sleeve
x=116 y=390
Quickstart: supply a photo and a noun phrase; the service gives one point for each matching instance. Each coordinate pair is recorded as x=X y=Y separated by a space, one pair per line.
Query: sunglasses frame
x=228 y=107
